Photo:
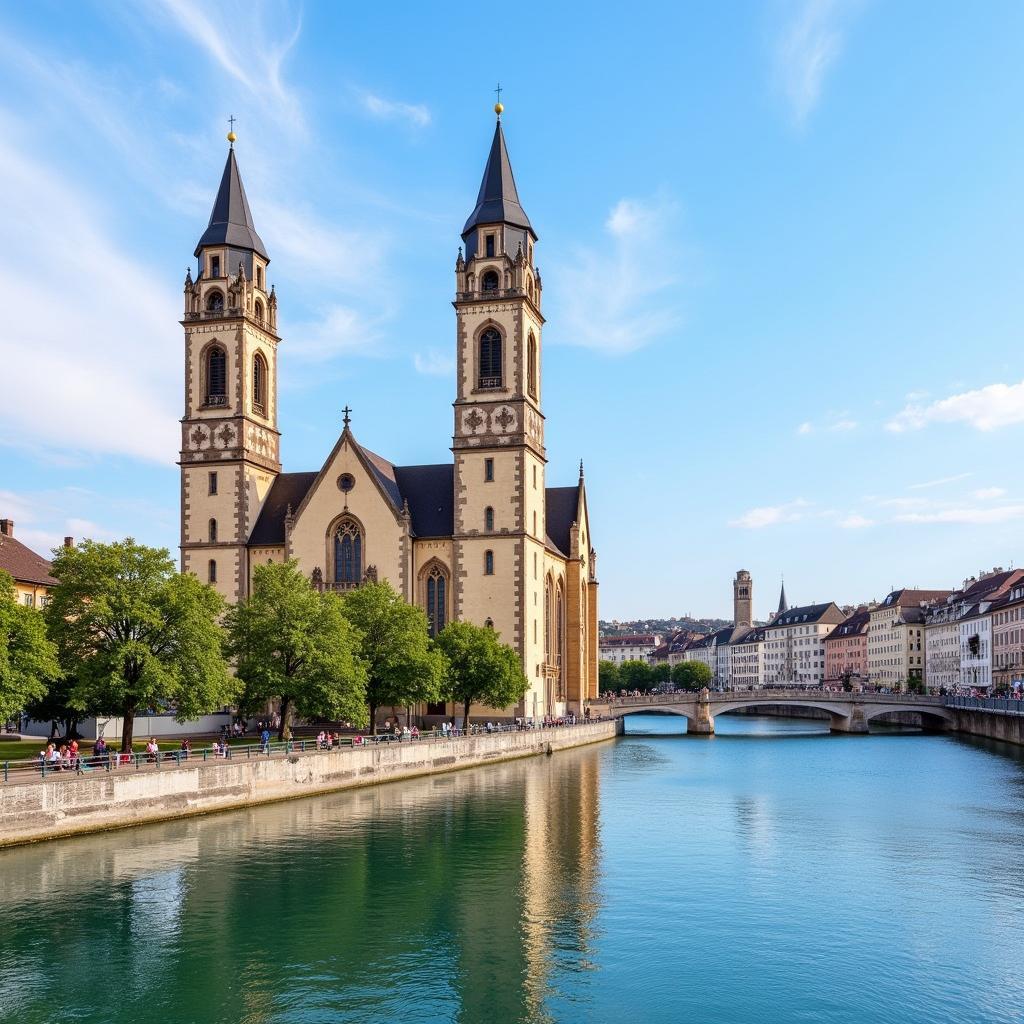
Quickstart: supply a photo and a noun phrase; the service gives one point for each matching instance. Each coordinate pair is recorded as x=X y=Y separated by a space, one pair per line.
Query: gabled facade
x=1008 y=638
x=896 y=642
x=794 y=644
x=30 y=572
x=846 y=651
x=481 y=538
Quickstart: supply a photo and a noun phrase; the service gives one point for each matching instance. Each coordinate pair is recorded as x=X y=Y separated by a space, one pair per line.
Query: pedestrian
x=152 y=750
x=186 y=748
x=265 y=741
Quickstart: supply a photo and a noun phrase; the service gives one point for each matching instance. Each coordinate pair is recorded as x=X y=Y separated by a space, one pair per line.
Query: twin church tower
x=482 y=538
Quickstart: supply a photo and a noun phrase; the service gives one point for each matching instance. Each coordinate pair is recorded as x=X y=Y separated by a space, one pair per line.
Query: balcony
x=216 y=400
x=490 y=294
x=489 y=384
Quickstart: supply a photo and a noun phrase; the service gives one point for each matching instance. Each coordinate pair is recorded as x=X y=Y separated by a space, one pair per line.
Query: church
x=479 y=538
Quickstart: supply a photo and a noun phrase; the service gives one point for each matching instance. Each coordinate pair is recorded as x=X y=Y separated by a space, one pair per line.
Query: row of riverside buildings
x=958 y=641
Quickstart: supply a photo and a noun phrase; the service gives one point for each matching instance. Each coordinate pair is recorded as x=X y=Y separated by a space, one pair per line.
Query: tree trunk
x=284 y=731
x=128 y=730
x=465 y=715
x=373 y=719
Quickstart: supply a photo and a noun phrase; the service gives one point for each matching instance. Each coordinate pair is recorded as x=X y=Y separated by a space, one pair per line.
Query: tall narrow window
x=489 y=470
x=348 y=553
x=490 y=359
x=259 y=278
x=214 y=266
x=212 y=484
x=547 y=620
x=560 y=639
x=437 y=593
x=216 y=376
x=211 y=571
x=259 y=383
x=488 y=563
x=259 y=310
x=489 y=519
x=213 y=531
x=531 y=366
x=489 y=246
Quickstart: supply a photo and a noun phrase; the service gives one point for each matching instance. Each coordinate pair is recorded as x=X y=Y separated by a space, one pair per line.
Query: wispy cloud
x=771 y=515
x=625 y=293
x=248 y=41
x=967 y=516
x=806 y=48
x=434 y=363
x=805 y=428
x=834 y=423
x=985 y=409
x=940 y=482
x=340 y=330
x=417 y=114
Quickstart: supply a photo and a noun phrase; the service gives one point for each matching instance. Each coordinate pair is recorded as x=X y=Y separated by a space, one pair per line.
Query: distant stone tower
x=742 y=599
x=229 y=438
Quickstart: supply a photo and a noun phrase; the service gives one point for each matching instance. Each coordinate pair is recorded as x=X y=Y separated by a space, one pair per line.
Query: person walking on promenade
x=265 y=741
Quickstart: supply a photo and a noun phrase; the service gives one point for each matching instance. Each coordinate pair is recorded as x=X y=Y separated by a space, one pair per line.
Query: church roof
x=561 y=509
x=287 y=489
x=231 y=220
x=498 y=200
x=430 y=491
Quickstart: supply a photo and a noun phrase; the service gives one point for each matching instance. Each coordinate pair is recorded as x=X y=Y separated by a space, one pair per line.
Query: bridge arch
x=931 y=717
x=680 y=711
x=836 y=709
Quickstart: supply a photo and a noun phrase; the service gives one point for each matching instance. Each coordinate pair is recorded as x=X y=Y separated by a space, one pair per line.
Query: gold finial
x=498 y=107
x=231 y=130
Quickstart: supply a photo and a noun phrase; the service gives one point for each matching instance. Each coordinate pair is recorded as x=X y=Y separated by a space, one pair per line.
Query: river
x=770 y=874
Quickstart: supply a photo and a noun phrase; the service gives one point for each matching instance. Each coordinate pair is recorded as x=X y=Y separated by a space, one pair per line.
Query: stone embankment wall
x=55 y=807
x=992 y=725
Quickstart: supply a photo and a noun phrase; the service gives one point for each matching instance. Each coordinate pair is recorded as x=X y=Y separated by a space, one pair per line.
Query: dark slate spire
x=498 y=201
x=783 y=607
x=231 y=220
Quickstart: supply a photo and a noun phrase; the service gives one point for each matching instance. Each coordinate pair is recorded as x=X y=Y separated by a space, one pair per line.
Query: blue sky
x=781 y=247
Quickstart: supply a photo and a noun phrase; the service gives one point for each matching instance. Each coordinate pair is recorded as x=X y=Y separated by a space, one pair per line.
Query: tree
x=293 y=644
x=402 y=666
x=691 y=675
x=634 y=675
x=479 y=668
x=136 y=634
x=661 y=672
x=28 y=658
x=608 y=677
x=56 y=708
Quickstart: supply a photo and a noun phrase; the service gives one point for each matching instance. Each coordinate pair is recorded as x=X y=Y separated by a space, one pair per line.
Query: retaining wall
x=993 y=725
x=51 y=808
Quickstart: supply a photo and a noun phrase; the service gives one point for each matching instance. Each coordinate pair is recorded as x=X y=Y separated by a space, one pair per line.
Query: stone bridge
x=848 y=712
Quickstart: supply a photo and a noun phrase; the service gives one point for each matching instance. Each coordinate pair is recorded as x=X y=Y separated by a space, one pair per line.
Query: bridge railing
x=801 y=693
x=1006 y=705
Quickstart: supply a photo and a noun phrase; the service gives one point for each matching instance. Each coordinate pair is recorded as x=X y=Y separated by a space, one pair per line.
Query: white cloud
x=805 y=428
x=855 y=521
x=940 y=482
x=989 y=493
x=434 y=363
x=341 y=330
x=805 y=50
x=417 y=114
x=771 y=515
x=835 y=422
x=79 y=374
x=967 y=516
x=985 y=409
x=843 y=426
x=249 y=42
x=623 y=294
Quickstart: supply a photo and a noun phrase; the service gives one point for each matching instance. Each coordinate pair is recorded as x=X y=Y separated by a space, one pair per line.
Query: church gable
x=349 y=522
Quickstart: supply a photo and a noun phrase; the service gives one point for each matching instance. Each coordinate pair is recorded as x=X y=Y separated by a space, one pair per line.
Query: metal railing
x=802 y=693
x=84 y=764
x=1004 y=705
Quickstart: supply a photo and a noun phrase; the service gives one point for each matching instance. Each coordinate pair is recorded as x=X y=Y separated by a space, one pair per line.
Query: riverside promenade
x=34 y=808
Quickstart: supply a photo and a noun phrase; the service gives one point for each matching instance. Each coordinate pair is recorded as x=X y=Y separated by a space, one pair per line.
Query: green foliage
x=608 y=677
x=402 y=666
x=691 y=675
x=28 y=659
x=479 y=668
x=661 y=672
x=634 y=675
x=293 y=644
x=56 y=705
x=135 y=634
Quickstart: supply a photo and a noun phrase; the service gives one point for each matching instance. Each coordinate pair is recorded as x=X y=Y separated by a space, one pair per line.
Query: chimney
x=6 y=527
x=69 y=542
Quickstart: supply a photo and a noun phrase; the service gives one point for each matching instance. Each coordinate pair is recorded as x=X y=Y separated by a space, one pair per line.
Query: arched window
x=259 y=310
x=215 y=301
x=211 y=571
x=531 y=366
x=529 y=287
x=259 y=383
x=216 y=376
x=437 y=596
x=259 y=278
x=488 y=563
x=490 y=359
x=348 y=553
x=213 y=531
x=560 y=638
x=547 y=620
x=489 y=281
x=489 y=519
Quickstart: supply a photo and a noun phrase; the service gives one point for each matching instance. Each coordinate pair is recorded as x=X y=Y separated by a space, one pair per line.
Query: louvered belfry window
x=216 y=376
x=490 y=359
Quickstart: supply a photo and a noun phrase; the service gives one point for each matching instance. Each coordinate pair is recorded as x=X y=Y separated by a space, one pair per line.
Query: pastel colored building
x=896 y=646
x=794 y=644
x=846 y=651
x=1008 y=638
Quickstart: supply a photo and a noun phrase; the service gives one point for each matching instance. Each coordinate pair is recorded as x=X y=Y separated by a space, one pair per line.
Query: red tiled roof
x=24 y=564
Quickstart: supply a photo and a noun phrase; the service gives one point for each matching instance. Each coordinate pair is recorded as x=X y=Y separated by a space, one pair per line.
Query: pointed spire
x=231 y=220
x=498 y=200
x=783 y=607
